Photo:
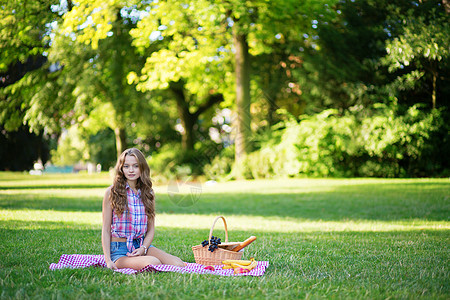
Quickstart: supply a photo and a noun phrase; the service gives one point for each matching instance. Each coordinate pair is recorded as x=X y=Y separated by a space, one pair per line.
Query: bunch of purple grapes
x=213 y=243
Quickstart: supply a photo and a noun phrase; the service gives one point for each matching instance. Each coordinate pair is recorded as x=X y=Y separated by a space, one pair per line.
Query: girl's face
x=131 y=168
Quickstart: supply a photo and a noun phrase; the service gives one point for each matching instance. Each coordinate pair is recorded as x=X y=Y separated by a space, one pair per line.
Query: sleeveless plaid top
x=132 y=224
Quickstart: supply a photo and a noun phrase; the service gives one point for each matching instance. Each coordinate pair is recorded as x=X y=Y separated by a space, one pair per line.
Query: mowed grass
x=324 y=238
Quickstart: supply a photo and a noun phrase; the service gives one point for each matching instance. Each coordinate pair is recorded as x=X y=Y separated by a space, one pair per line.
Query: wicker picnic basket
x=205 y=257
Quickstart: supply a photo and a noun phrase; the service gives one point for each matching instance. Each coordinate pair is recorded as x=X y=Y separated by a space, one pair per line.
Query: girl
x=129 y=217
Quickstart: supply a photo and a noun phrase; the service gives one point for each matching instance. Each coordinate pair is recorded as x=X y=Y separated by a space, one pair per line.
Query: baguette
x=244 y=243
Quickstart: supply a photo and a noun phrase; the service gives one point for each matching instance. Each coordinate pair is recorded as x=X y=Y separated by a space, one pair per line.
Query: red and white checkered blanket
x=77 y=261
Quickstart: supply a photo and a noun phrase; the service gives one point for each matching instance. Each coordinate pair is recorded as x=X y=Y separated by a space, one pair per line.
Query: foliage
x=364 y=51
x=102 y=149
x=189 y=60
x=23 y=102
x=420 y=40
x=221 y=165
x=103 y=99
x=170 y=161
x=187 y=46
x=72 y=148
x=386 y=143
x=421 y=50
x=26 y=85
x=22 y=26
x=150 y=72
x=195 y=44
x=101 y=60
x=163 y=163
x=20 y=149
x=339 y=54
x=193 y=40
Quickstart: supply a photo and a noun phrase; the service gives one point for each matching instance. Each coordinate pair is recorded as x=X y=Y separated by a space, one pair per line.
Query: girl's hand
x=137 y=252
x=111 y=265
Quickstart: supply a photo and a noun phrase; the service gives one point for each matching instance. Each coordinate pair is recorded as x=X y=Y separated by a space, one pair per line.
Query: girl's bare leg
x=165 y=258
x=136 y=262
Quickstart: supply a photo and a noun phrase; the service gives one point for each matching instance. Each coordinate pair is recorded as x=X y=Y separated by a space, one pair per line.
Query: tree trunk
x=188 y=119
x=121 y=142
x=243 y=120
x=272 y=106
x=187 y=139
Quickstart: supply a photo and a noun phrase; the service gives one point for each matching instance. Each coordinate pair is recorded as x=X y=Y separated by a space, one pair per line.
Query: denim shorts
x=119 y=249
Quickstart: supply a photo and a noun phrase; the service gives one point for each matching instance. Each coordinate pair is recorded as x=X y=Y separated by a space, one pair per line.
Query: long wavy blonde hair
x=118 y=196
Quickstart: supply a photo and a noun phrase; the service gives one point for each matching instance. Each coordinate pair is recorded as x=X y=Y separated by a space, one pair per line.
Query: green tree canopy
x=93 y=46
x=421 y=52
x=205 y=47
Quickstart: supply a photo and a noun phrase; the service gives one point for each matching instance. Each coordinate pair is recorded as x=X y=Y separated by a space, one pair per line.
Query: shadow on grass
x=397 y=201
x=344 y=202
x=46 y=202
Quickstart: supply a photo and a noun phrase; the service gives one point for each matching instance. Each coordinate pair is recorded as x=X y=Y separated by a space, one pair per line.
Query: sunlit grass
x=324 y=238
x=241 y=223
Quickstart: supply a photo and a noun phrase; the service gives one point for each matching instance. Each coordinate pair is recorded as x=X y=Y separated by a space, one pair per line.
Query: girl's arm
x=150 y=228
x=150 y=232
x=106 y=230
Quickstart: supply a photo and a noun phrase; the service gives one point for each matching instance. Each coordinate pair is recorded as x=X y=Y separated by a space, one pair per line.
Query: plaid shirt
x=132 y=224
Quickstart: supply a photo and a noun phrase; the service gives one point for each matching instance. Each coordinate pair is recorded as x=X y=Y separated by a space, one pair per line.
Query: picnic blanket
x=78 y=261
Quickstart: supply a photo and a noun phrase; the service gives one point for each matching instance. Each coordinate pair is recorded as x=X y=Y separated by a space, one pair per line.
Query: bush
x=72 y=148
x=102 y=148
x=163 y=164
x=384 y=143
x=171 y=161
x=221 y=165
x=400 y=143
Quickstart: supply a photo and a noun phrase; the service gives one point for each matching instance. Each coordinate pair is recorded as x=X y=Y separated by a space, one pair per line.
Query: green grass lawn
x=324 y=238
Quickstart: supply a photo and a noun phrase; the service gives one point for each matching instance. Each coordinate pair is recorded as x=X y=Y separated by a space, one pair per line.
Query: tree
x=339 y=55
x=24 y=28
x=23 y=69
x=196 y=40
x=188 y=60
x=93 y=46
x=421 y=50
x=346 y=63
x=257 y=27
x=24 y=25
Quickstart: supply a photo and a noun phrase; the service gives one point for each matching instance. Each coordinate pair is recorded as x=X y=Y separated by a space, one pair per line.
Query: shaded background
x=228 y=89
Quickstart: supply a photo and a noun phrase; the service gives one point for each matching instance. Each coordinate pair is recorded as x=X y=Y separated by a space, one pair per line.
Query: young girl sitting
x=129 y=217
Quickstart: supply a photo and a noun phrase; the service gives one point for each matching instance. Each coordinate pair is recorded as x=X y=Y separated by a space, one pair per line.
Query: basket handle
x=212 y=227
